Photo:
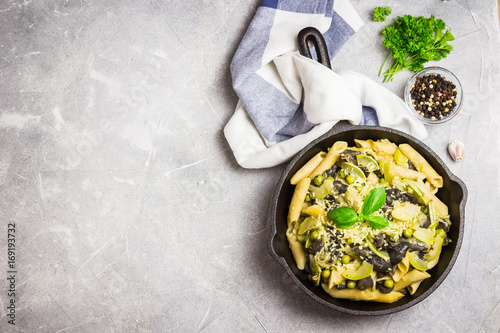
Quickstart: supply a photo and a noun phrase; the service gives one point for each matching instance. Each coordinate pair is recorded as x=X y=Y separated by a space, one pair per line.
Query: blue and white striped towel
x=287 y=100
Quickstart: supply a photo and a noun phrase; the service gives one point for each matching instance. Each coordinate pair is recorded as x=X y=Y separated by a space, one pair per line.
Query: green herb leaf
x=373 y=201
x=377 y=222
x=413 y=41
x=344 y=217
x=380 y=13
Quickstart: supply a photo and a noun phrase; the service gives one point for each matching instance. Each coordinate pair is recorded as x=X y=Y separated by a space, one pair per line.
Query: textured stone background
x=131 y=213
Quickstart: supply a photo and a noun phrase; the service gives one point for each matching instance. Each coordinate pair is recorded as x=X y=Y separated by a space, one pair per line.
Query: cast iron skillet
x=453 y=194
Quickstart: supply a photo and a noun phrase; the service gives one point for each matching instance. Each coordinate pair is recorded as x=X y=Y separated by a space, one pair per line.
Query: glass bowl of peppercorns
x=434 y=95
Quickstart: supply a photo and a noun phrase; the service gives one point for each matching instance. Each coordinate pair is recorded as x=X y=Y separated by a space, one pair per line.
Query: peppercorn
x=433 y=97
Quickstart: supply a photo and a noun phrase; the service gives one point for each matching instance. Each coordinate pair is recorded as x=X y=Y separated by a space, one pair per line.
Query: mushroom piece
x=317 y=245
x=365 y=283
x=362 y=252
x=331 y=172
x=349 y=156
x=365 y=171
x=427 y=222
x=340 y=187
x=341 y=286
x=379 y=240
x=398 y=252
x=416 y=245
x=444 y=226
x=395 y=194
x=380 y=265
x=383 y=289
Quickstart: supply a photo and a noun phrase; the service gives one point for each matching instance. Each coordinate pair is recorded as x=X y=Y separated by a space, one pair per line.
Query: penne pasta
x=330 y=158
x=316 y=211
x=412 y=288
x=431 y=187
x=422 y=165
x=363 y=295
x=298 y=198
x=402 y=268
x=392 y=170
x=372 y=178
x=440 y=207
x=384 y=146
x=309 y=167
x=411 y=277
x=380 y=149
x=367 y=144
x=298 y=252
x=406 y=173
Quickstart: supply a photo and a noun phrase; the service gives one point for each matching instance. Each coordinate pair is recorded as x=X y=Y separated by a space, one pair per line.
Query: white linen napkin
x=287 y=100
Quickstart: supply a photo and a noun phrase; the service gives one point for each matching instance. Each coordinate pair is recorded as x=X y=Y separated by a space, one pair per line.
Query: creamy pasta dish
x=365 y=221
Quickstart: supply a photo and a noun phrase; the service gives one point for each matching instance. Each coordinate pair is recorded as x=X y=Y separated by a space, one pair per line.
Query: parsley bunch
x=413 y=41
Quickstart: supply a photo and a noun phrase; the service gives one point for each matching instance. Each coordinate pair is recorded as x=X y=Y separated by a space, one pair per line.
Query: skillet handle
x=313 y=35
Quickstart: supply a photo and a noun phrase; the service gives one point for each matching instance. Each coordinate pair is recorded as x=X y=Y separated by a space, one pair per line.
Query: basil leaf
x=373 y=201
x=344 y=217
x=346 y=224
x=377 y=222
x=342 y=214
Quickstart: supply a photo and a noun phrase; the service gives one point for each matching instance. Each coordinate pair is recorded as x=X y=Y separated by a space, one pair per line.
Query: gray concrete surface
x=130 y=212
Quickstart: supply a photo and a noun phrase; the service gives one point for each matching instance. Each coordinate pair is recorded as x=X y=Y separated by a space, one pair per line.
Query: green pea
x=440 y=232
x=318 y=180
x=350 y=179
x=342 y=173
x=408 y=233
x=346 y=259
x=325 y=274
x=308 y=197
x=389 y=283
x=330 y=178
x=314 y=235
x=351 y=284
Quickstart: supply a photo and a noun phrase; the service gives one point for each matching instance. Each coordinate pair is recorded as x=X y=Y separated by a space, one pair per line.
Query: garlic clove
x=456 y=150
